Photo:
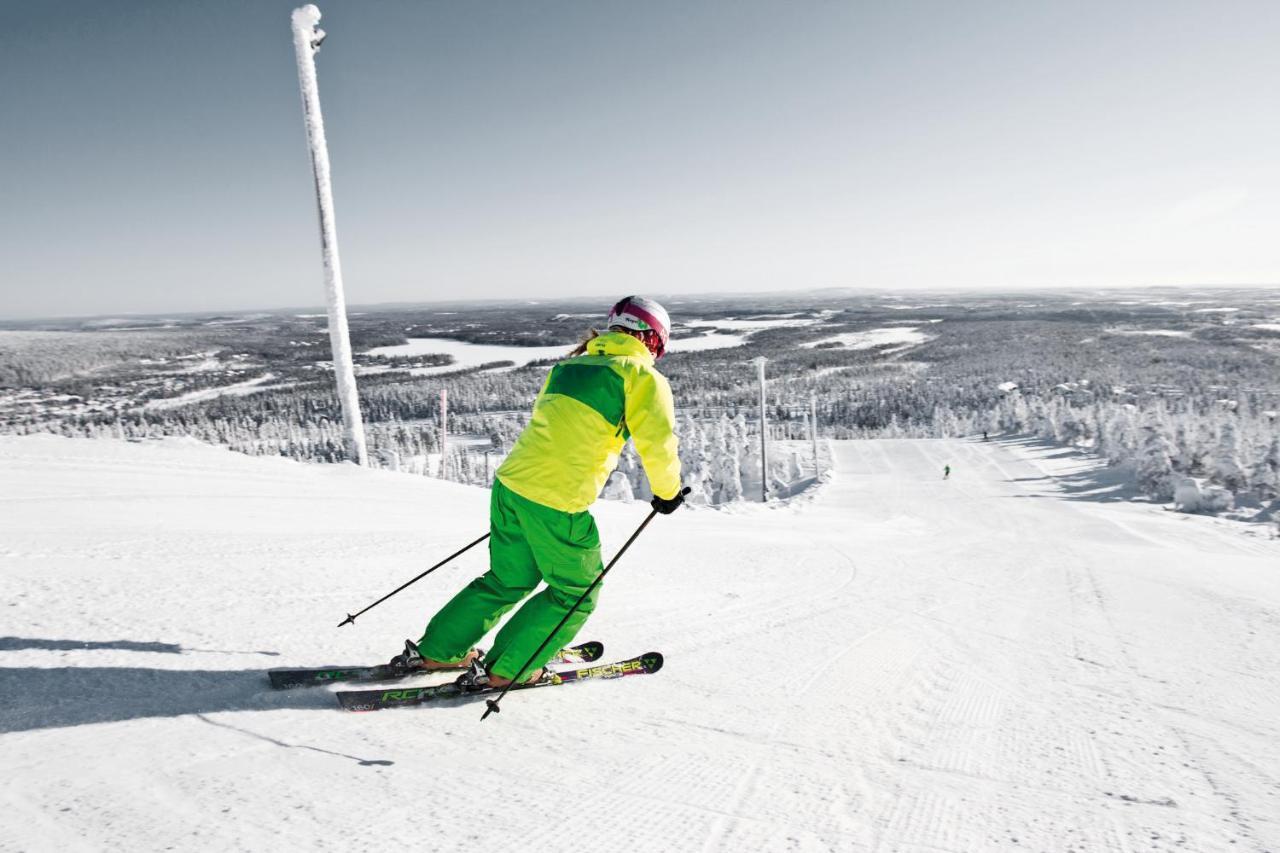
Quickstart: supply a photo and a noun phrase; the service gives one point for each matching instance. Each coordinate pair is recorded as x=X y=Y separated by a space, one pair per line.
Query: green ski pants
x=528 y=543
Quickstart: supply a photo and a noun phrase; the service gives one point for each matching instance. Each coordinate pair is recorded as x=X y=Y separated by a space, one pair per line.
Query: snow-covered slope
x=1001 y=660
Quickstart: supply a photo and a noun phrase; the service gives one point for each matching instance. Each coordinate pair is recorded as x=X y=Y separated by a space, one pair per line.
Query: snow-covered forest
x=1177 y=390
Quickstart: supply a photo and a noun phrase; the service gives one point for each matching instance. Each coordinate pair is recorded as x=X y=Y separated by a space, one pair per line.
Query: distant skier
x=946 y=472
x=605 y=392
x=984 y=435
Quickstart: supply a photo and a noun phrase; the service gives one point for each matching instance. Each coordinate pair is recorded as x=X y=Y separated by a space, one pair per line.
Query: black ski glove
x=666 y=506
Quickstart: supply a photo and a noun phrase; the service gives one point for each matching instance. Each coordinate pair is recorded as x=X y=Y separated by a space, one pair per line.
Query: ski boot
x=411 y=660
x=478 y=678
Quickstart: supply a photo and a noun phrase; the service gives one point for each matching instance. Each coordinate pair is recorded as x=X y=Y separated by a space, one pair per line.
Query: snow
x=207 y=362
x=1197 y=495
x=1160 y=333
x=237 y=389
x=1269 y=327
x=466 y=355
x=711 y=340
x=1019 y=657
x=733 y=325
x=236 y=321
x=871 y=338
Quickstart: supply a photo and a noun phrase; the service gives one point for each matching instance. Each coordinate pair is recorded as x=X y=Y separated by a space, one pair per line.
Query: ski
x=287 y=679
x=374 y=700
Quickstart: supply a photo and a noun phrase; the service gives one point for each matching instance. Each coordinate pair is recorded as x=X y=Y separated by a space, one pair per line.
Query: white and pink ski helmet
x=646 y=316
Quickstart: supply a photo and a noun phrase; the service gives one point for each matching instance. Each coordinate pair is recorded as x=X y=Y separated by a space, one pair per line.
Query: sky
x=153 y=156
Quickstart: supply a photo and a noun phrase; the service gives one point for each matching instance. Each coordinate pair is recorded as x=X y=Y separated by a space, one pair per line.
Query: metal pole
x=764 y=426
x=444 y=433
x=813 y=428
x=307 y=37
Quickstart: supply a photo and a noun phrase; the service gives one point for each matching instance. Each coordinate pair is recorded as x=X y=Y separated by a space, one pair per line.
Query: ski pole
x=352 y=618
x=492 y=704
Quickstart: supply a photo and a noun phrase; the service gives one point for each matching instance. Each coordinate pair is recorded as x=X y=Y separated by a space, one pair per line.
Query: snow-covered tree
x=617 y=488
x=695 y=461
x=1224 y=465
x=1155 y=468
x=726 y=477
x=1265 y=478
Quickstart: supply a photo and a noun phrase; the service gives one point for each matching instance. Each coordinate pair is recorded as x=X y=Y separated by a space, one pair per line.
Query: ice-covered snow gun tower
x=306 y=42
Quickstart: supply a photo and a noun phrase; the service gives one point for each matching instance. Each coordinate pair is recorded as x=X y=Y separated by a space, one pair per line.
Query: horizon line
x=363 y=307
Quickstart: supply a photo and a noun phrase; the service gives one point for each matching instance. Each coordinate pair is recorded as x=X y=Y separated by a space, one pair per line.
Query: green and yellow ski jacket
x=587 y=409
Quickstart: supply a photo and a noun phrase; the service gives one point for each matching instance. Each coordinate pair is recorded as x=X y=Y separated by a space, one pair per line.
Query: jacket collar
x=618 y=343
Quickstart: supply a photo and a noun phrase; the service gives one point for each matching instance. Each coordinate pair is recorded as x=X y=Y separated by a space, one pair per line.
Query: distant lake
x=467 y=354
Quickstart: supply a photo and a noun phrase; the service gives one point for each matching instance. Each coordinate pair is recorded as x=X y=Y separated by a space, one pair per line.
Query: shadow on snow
x=45 y=698
x=1099 y=483
x=17 y=644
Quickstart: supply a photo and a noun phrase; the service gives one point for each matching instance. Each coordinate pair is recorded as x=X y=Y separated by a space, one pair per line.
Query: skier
x=540 y=530
x=946 y=472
